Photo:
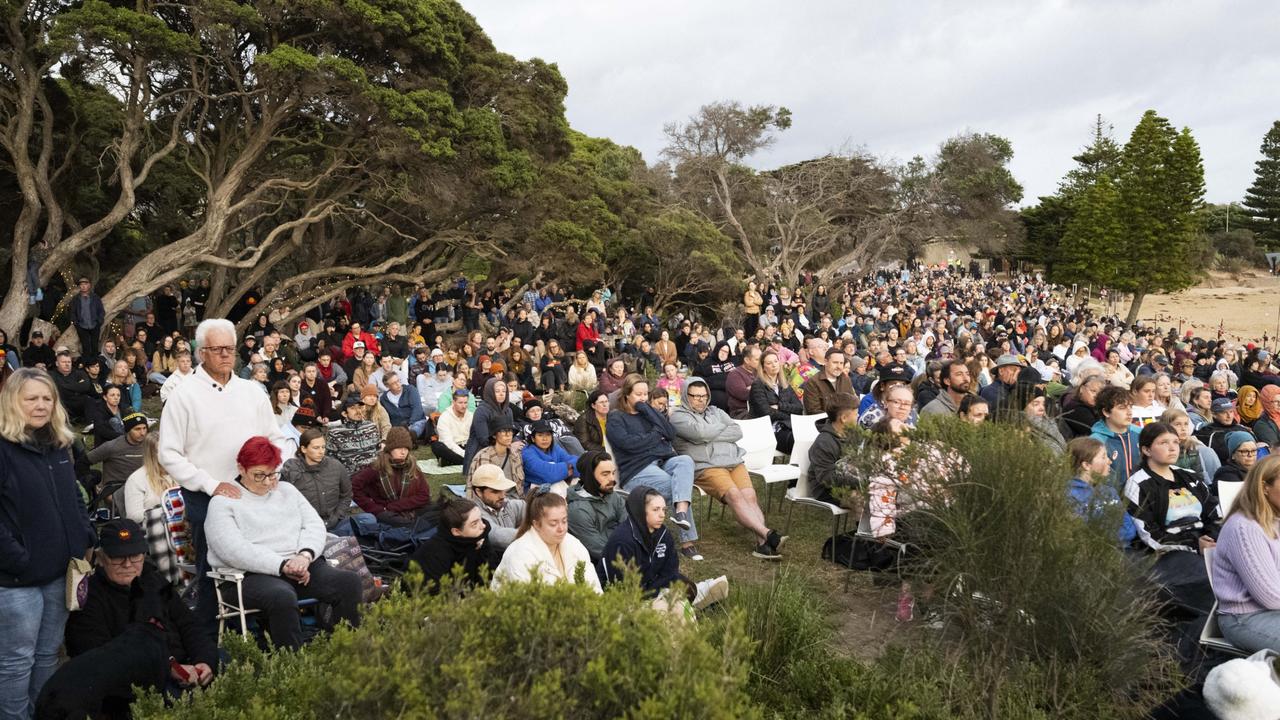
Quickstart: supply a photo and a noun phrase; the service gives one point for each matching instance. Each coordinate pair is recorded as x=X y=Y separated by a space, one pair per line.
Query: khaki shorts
x=717 y=482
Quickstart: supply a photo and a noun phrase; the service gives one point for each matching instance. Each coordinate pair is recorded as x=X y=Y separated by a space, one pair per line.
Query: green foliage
x=1263 y=197
x=1030 y=594
x=527 y=651
x=1044 y=224
x=1100 y=157
x=1093 y=245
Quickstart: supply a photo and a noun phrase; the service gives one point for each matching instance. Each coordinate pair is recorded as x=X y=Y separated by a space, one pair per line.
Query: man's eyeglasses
x=219 y=349
x=126 y=560
x=697 y=396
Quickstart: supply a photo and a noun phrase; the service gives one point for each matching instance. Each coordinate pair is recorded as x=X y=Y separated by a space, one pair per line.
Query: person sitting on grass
x=1089 y=489
x=642 y=544
x=502 y=452
x=490 y=490
x=393 y=489
x=353 y=440
x=544 y=549
x=547 y=466
x=453 y=428
x=461 y=540
x=594 y=508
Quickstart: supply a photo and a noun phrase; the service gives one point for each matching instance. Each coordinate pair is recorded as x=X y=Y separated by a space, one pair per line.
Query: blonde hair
x=1252 y=502
x=13 y=422
x=157 y=479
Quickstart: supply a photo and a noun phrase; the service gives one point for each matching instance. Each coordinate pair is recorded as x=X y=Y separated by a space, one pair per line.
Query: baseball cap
x=896 y=372
x=357 y=344
x=492 y=477
x=1222 y=405
x=121 y=538
x=542 y=426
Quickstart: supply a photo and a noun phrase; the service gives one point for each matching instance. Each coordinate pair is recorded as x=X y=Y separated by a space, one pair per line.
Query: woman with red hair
x=274 y=535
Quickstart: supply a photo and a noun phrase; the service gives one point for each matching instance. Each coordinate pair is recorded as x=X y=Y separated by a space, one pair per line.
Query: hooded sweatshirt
x=709 y=437
x=652 y=553
x=486 y=413
x=1122 y=449
x=439 y=555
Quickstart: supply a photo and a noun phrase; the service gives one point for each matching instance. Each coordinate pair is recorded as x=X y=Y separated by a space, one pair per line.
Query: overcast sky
x=898 y=78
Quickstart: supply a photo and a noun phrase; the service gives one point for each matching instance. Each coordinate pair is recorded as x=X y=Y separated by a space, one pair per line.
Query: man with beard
x=956 y=383
x=489 y=488
x=594 y=508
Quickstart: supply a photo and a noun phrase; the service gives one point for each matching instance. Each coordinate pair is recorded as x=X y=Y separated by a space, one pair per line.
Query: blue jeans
x=34 y=621
x=1252 y=631
x=673 y=479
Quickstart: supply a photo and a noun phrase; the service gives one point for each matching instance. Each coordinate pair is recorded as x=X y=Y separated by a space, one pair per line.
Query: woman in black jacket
x=1080 y=413
x=772 y=397
x=461 y=540
x=42 y=526
x=715 y=371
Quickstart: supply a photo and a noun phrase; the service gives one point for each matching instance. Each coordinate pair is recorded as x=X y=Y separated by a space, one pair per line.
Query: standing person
x=87 y=314
x=42 y=526
x=640 y=438
x=206 y=421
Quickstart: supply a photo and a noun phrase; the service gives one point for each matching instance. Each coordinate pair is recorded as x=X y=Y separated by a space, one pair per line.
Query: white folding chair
x=801 y=494
x=1211 y=636
x=804 y=428
x=228 y=607
x=1227 y=492
x=759 y=445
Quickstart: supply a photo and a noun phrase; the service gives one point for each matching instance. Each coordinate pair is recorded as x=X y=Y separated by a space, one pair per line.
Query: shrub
x=1029 y=593
x=525 y=651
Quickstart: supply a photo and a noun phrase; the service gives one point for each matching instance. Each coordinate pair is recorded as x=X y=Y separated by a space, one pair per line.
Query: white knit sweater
x=528 y=556
x=257 y=533
x=204 y=424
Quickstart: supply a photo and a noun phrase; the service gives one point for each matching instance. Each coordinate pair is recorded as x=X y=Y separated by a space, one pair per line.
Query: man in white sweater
x=203 y=425
x=452 y=430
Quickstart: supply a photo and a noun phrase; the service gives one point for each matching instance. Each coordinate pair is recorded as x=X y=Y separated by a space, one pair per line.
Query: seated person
x=501 y=452
x=1090 y=490
x=643 y=543
x=834 y=434
x=1215 y=433
x=710 y=437
x=1116 y=431
x=274 y=535
x=490 y=490
x=74 y=387
x=589 y=429
x=323 y=481
x=300 y=420
x=107 y=415
x=534 y=411
x=352 y=440
x=404 y=407
x=433 y=385
x=772 y=396
x=460 y=541
x=453 y=429
x=1246 y=563
x=145 y=487
x=392 y=488
x=1242 y=455
x=124 y=592
x=122 y=456
x=546 y=465
x=640 y=438
x=1176 y=517
x=543 y=548
x=594 y=508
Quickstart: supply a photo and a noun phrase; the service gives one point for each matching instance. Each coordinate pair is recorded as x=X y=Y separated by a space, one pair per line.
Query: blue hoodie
x=1090 y=500
x=1122 y=449
x=547 y=467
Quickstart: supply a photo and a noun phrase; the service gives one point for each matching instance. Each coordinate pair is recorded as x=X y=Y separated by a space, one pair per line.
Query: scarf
x=1268 y=394
x=1247 y=404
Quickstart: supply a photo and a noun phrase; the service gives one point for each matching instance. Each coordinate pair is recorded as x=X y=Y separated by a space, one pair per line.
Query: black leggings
x=276 y=599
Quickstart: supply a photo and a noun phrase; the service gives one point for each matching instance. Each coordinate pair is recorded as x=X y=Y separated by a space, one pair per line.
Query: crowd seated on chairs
x=388 y=385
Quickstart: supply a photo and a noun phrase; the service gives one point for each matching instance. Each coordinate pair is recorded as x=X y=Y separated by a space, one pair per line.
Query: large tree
x=1161 y=186
x=1262 y=200
x=316 y=140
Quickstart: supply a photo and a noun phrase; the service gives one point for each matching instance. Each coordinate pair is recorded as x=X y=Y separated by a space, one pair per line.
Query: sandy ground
x=1247 y=308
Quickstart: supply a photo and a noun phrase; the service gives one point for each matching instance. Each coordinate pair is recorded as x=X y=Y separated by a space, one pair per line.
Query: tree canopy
x=1262 y=200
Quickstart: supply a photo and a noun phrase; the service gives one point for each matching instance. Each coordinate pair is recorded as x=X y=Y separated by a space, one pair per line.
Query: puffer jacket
x=709 y=437
x=326 y=486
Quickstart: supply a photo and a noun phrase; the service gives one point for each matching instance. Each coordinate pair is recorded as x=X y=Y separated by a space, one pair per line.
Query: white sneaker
x=711 y=592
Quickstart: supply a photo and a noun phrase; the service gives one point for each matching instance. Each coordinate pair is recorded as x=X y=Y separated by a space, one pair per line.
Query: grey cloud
x=899 y=78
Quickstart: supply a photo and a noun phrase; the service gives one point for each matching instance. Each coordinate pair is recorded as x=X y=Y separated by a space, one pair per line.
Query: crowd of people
x=581 y=429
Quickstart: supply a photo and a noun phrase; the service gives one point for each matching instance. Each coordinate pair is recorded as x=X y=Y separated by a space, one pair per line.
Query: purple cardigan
x=1246 y=568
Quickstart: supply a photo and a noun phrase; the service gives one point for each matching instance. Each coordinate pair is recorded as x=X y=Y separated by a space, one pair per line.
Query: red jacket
x=370 y=343
x=372 y=497
x=586 y=333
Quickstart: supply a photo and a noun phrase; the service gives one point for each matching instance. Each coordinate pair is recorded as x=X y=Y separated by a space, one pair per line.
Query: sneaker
x=681 y=519
x=906 y=607
x=765 y=551
x=776 y=541
x=711 y=592
x=691 y=553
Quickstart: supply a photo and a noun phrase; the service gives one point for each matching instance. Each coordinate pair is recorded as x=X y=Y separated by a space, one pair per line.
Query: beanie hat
x=133 y=420
x=304 y=416
x=1236 y=439
x=397 y=437
x=368 y=391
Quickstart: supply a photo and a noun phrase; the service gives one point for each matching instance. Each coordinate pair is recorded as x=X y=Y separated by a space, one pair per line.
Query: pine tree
x=1161 y=185
x=1092 y=247
x=1100 y=157
x=1262 y=200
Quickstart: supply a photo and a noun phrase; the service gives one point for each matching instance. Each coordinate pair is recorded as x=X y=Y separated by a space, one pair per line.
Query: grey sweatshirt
x=257 y=533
